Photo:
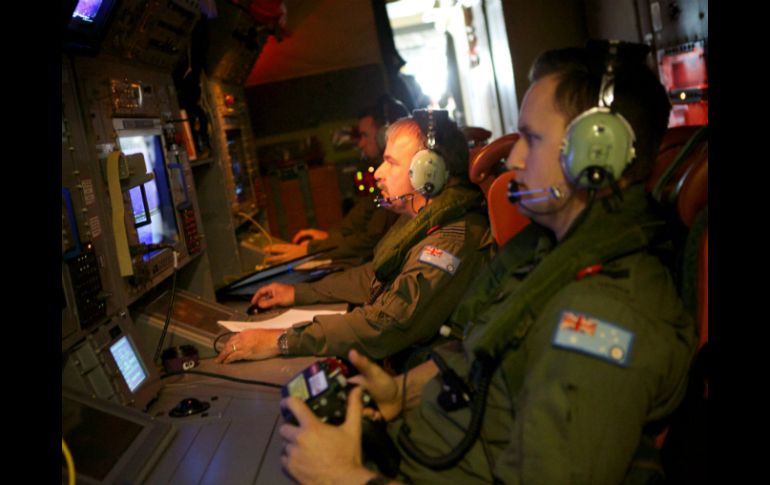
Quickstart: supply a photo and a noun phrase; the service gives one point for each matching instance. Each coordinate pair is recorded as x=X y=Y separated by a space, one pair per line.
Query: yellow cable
x=246 y=216
x=70 y=462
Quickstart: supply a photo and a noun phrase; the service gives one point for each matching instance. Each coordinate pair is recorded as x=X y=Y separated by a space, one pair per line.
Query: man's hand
x=274 y=294
x=320 y=453
x=382 y=387
x=253 y=344
x=278 y=253
x=314 y=234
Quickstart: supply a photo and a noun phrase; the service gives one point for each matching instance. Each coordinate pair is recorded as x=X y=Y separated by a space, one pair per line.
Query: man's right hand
x=314 y=234
x=274 y=294
x=383 y=388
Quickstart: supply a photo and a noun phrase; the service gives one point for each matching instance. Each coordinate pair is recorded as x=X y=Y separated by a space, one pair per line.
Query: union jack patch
x=439 y=258
x=591 y=336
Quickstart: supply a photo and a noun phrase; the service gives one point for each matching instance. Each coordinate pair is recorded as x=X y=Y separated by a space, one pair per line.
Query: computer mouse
x=188 y=406
x=255 y=309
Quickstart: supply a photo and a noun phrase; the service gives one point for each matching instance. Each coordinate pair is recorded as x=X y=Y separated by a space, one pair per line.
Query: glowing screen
x=128 y=363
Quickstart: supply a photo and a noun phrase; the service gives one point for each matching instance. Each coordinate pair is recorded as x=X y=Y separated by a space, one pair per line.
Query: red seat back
x=504 y=217
x=485 y=161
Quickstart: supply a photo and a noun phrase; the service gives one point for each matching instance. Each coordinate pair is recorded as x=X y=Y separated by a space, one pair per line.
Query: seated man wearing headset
x=420 y=269
x=354 y=238
x=575 y=340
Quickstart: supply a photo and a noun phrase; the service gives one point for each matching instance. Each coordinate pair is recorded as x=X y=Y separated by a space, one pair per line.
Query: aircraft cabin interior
x=195 y=133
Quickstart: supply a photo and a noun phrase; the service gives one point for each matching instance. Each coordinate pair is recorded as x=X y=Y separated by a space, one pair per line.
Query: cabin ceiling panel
x=325 y=35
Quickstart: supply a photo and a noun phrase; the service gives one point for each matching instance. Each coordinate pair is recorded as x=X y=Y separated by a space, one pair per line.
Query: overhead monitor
x=87 y=25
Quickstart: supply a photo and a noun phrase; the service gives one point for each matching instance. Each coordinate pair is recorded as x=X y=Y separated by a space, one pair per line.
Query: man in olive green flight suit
x=575 y=340
x=353 y=240
x=420 y=269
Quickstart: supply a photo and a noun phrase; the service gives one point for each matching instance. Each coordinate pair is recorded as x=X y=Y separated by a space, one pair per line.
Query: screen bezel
x=153 y=129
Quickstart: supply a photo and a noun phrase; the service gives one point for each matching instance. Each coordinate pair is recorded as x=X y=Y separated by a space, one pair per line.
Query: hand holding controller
x=324 y=387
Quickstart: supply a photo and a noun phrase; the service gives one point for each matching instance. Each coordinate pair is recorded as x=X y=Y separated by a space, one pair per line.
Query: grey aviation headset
x=428 y=171
x=599 y=143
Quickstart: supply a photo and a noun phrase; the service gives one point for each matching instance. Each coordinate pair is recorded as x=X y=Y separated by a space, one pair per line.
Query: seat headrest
x=680 y=177
x=482 y=163
x=673 y=140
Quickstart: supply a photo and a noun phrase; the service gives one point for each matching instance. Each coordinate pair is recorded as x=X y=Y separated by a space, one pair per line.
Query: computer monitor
x=152 y=203
x=129 y=363
x=111 y=443
x=287 y=273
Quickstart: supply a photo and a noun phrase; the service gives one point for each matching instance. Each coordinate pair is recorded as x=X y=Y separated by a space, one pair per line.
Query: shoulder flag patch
x=439 y=258
x=589 y=335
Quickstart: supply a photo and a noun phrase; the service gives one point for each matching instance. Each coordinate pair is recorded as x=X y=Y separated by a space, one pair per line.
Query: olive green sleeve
x=410 y=310
x=579 y=418
x=351 y=286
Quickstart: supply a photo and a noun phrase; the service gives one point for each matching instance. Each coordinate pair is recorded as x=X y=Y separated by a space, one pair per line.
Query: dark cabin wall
x=534 y=27
x=614 y=19
x=305 y=102
x=326 y=68
x=681 y=21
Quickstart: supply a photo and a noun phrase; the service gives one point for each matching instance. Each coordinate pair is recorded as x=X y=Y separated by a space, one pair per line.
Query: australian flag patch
x=439 y=258
x=589 y=335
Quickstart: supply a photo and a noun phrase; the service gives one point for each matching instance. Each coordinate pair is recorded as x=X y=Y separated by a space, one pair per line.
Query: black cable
x=481 y=372
x=168 y=316
x=412 y=357
x=222 y=376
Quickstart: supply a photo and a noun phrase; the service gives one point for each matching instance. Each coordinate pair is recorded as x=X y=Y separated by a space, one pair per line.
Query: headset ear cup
x=597 y=147
x=428 y=172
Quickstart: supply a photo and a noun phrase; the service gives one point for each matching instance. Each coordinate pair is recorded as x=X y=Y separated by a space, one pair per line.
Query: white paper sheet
x=282 y=321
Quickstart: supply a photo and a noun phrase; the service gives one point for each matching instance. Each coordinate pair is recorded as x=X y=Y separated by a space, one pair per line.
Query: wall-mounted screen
x=152 y=205
x=87 y=25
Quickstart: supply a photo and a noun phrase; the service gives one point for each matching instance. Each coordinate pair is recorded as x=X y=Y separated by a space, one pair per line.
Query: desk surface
x=236 y=440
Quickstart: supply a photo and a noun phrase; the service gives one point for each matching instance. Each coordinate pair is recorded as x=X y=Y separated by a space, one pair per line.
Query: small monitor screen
x=128 y=362
x=87 y=10
x=152 y=205
x=139 y=206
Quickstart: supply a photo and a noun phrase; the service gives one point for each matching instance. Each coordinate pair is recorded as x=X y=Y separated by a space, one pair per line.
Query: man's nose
x=379 y=172
x=515 y=160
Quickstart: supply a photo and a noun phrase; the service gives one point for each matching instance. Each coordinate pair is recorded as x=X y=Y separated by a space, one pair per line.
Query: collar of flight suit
x=452 y=203
x=605 y=231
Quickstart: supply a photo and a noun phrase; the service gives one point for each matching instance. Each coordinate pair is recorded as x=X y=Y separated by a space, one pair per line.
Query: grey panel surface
x=236 y=440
